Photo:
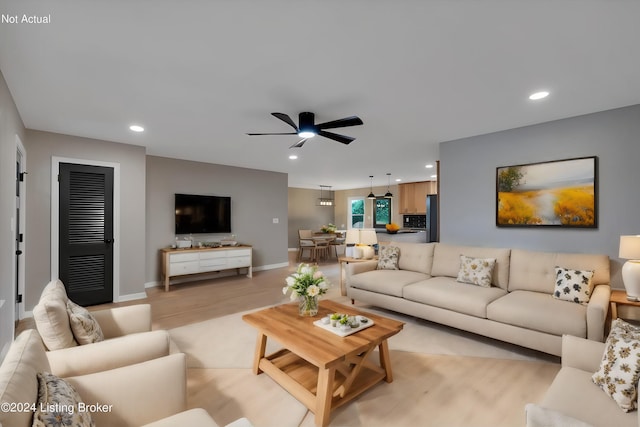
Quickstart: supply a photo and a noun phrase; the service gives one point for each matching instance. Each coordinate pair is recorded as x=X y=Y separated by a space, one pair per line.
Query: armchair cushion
x=84 y=326
x=52 y=319
x=193 y=417
x=59 y=404
x=18 y=376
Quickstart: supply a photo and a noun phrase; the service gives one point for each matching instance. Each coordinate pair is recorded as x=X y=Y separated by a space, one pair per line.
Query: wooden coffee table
x=320 y=369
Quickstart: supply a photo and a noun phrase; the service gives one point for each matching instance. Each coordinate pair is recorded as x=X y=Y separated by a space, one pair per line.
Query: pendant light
x=325 y=201
x=371 y=195
x=388 y=194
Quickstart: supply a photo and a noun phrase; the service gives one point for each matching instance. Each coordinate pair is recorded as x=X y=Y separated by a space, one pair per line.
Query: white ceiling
x=198 y=75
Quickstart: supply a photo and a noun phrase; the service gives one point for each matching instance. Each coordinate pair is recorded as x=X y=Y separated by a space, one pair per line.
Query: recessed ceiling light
x=429 y=166
x=293 y=157
x=434 y=176
x=136 y=128
x=398 y=179
x=538 y=95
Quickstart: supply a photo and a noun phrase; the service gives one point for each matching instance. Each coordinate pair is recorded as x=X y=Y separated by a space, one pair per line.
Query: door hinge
x=22 y=176
x=19 y=298
x=20 y=237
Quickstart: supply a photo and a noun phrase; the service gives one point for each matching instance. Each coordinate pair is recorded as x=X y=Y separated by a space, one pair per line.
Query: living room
x=604 y=125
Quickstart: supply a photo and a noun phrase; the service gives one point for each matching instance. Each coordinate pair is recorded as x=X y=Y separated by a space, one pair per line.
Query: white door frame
x=55 y=211
x=23 y=222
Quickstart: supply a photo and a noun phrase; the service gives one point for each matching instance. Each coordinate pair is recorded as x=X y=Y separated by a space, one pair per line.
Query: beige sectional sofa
x=519 y=307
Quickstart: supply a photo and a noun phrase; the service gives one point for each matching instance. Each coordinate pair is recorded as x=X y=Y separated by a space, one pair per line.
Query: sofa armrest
x=597 y=312
x=138 y=394
x=119 y=321
x=359 y=267
x=110 y=354
x=581 y=353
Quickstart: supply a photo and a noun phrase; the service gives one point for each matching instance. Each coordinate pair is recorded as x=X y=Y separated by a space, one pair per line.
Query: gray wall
x=467 y=183
x=10 y=126
x=304 y=214
x=41 y=147
x=257 y=197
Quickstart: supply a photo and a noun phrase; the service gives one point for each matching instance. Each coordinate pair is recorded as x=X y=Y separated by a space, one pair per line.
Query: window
x=356 y=212
x=382 y=212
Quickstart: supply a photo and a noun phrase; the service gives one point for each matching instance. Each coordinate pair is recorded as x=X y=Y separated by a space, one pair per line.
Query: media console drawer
x=180 y=262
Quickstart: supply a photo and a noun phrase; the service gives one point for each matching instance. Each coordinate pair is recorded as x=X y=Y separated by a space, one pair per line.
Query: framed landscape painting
x=561 y=193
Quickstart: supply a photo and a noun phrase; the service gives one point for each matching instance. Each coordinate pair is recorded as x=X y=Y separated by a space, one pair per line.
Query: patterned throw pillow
x=58 y=404
x=388 y=258
x=476 y=271
x=85 y=327
x=573 y=285
x=620 y=366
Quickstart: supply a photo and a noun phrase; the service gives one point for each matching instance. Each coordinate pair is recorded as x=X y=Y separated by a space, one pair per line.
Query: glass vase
x=308 y=306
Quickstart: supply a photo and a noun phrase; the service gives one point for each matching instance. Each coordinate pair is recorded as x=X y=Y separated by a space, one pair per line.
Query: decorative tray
x=343 y=333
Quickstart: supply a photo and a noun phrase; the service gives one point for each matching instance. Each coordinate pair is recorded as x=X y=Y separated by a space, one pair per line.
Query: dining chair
x=305 y=241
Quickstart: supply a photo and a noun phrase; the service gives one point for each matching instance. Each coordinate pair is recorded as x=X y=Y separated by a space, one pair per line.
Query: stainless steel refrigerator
x=432 y=218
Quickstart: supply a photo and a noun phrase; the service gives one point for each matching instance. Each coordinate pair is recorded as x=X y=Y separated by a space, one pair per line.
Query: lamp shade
x=368 y=237
x=352 y=237
x=630 y=247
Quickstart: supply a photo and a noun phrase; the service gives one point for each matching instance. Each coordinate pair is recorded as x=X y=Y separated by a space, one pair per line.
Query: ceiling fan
x=308 y=129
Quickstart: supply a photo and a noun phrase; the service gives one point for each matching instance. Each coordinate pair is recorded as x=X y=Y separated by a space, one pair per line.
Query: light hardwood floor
x=199 y=300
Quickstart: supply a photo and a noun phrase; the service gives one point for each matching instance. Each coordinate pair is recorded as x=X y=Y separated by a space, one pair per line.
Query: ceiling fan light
x=306 y=134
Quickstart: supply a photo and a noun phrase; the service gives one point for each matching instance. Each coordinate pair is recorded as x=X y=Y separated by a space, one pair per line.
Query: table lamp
x=356 y=236
x=630 y=250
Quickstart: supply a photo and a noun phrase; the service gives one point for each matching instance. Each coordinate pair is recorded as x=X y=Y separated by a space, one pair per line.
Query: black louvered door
x=86 y=233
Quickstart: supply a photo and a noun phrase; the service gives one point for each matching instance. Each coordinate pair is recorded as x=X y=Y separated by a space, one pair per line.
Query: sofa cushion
x=535 y=271
x=388 y=282
x=58 y=404
x=573 y=394
x=52 y=319
x=84 y=326
x=620 y=366
x=415 y=256
x=476 y=271
x=388 y=258
x=447 y=293
x=446 y=261
x=573 y=285
x=540 y=312
x=18 y=376
x=194 y=417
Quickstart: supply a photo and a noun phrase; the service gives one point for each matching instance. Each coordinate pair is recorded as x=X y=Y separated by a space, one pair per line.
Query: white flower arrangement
x=307 y=281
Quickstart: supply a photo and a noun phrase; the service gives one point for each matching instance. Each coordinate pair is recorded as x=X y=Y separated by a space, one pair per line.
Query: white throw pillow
x=85 y=327
x=620 y=366
x=388 y=258
x=573 y=285
x=476 y=271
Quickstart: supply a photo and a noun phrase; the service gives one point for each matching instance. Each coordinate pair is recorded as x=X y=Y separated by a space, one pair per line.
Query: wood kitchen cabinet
x=413 y=196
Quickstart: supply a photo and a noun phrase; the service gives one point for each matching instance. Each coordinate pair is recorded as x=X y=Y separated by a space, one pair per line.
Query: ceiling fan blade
x=279 y=133
x=340 y=138
x=341 y=123
x=285 y=118
x=299 y=143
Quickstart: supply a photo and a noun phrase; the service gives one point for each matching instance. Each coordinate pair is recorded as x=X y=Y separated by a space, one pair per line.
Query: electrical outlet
x=276 y=220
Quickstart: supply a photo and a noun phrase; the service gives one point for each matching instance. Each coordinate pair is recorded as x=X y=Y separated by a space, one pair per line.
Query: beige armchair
x=150 y=393
x=51 y=316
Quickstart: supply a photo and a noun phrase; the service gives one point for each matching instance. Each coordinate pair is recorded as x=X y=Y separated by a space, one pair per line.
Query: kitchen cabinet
x=413 y=196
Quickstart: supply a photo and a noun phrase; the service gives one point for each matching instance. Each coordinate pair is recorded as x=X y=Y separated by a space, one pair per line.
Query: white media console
x=182 y=262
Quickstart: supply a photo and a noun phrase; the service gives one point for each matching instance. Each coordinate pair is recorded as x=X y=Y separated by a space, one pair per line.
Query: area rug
x=442 y=377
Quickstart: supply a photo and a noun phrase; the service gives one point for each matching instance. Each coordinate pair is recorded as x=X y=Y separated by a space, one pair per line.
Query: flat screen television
x=202 y=214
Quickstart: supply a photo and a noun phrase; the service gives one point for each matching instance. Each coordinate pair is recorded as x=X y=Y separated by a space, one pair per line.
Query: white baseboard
x=132 y=297
x=271 y=266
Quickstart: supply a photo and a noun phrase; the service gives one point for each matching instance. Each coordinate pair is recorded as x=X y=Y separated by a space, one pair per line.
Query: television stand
x=194 y=261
